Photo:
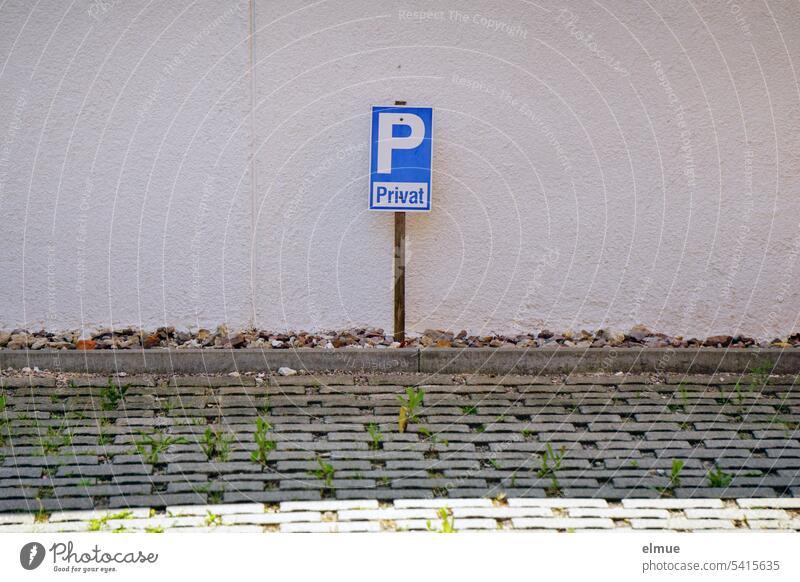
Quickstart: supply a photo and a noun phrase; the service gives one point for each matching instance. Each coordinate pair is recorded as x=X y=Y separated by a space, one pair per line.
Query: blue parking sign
x=400 y=163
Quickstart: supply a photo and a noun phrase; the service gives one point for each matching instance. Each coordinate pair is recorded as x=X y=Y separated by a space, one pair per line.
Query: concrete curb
x=582 y=360
x=410 y=360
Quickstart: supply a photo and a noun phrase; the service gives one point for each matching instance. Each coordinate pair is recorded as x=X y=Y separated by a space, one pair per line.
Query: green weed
x=150 y=447
x=99 y=523
x=551 y=464
x=674 y=479
x=264 y=445
x=684 y=393
x=413 y=400
x=446 y=521
x=112 y=394
x=376 y=436
x=719 y=478
x=216 y=444
x=759 y=375
x=326 y=473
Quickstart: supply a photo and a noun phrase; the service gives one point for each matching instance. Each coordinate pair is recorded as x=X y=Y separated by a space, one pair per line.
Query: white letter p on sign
x=387 y=143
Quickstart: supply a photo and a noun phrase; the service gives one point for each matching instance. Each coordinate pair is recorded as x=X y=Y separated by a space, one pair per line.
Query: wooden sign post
x=400 y=273
x=400 y=277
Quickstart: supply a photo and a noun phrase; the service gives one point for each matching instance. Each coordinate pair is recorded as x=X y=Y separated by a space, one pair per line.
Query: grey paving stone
x=156 y=500
x=270 y=496
x=672 y=503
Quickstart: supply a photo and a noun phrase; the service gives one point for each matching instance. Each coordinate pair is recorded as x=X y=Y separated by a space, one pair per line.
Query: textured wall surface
x=596 y=164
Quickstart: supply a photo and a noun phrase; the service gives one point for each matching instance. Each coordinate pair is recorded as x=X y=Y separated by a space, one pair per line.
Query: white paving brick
x=682 y=523
x=617 y=512
x=221 y=509
x=451 y=503
x=562 y=523
x=69 y=526
x=773 y=503
x=221 y=529
x=436 y=524
x=502 y=512
x=272 y=518
x=332 y=527
x=332 y=505
x=389 y=513
x=138 y=512
x=9 y=518
x=731 y=513
x=672 y=503
x=784 y=524
x=521 y=502
x=167 y=522
x=417 y=514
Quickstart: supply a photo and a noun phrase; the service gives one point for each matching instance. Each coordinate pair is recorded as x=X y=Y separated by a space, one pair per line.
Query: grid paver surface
x=73 y=443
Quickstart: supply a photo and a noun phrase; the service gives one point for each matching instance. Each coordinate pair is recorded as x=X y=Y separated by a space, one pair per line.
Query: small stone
x=151 y=341
x=39 y=344
x=19 y=341
x=5 y=337
x=639 y=332
x=101 y=334
x=286 y=371
x=85 y=344
x=237 y=340
x=718 y=341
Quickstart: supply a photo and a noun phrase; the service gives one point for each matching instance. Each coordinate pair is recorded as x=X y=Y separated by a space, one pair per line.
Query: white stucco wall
x=595 y=164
